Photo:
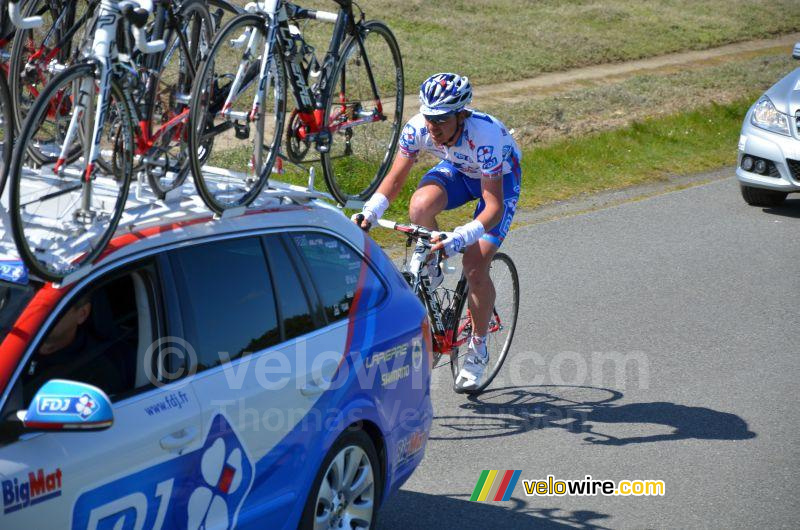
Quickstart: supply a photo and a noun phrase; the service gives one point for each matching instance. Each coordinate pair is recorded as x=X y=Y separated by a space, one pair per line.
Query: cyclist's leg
x=478 y=257
x=442 y=188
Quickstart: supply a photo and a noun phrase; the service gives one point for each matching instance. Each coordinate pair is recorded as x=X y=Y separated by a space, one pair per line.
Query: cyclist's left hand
x=450 y=242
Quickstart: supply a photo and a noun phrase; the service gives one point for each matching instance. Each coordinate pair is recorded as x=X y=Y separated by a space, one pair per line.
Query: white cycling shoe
x=471 y=375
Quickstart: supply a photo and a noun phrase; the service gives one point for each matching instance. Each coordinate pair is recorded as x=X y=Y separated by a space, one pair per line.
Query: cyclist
x=479 y=160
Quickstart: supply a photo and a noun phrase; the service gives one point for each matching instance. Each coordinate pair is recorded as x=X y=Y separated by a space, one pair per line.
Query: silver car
x=768 y=165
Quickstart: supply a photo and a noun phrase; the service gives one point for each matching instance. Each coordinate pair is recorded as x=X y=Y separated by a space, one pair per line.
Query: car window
x=13 y=299
x=226 y=299
x=295 y=310
x=338 y=272
x=98 y=338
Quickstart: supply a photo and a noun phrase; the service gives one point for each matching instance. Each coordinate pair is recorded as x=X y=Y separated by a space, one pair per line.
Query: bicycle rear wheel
x=503 y=322
x=364 y=126
x=36 y=52
x=232 y=150
x=61 y=221
x=168 y=163
x=6 y=132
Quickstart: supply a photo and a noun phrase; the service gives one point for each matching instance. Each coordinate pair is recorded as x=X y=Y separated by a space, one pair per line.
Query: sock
x=479 y=343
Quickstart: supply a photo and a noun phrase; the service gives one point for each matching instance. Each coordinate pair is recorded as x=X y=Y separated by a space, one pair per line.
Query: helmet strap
x=458 y=131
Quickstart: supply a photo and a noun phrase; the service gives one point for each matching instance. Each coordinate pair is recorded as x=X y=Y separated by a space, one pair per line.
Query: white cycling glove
x=373 y=209
x=462 y=236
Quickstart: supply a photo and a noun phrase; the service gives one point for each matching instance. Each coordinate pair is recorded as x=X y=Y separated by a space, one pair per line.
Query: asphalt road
x=658 y=339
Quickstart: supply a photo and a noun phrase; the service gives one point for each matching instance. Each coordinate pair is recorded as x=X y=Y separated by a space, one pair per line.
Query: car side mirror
x=796 y=51
x=62 y=405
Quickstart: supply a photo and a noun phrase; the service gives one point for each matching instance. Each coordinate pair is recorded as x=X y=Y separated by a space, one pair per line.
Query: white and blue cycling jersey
x=485 y=148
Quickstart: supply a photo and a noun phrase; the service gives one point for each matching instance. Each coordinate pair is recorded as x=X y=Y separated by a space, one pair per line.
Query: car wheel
x=346 y=491
x=762 y=197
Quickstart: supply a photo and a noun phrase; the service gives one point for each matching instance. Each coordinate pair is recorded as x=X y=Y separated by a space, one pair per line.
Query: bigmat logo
x=38 y=487
x=494 y=485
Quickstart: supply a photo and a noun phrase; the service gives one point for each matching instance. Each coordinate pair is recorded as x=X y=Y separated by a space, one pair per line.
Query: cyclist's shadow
x=515 y=410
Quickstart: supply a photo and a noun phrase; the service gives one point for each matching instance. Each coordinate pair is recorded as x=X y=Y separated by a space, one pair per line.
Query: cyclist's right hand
x=371 y=211
x=365 y=219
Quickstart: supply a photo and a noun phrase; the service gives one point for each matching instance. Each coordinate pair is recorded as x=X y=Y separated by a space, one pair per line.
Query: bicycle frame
x=41 y=58
x=108 y=18
x=143 y=137
x=309 y=108
x=444 y=340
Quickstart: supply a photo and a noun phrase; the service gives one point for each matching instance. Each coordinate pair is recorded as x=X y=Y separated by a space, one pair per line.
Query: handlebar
x=15 y=14
x=412 y=230
x=296 y=12
x=137 y=12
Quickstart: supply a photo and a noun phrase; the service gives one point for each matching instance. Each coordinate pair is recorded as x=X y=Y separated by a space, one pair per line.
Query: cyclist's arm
x=397 y=176
x=492 y=194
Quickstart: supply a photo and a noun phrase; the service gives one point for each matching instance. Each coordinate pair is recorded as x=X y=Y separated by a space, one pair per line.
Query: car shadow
x=409 y=509
x=788 y=208
x=585 y=411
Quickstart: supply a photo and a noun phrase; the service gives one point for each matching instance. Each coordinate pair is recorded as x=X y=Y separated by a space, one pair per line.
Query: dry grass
x=515 y=39
x=576 y=112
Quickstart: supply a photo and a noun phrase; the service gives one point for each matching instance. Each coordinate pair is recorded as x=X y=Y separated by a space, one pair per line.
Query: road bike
x=349 y=105
x=447 y=306
x=99 y=121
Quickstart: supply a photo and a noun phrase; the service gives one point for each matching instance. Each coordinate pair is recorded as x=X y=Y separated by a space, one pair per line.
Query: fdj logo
x=484 y=154
x=83 y=406
x=409 y=133
x=38 y=487
x=200 y=489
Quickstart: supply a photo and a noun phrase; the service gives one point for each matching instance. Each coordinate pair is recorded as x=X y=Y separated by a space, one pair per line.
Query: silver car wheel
x=346 y=497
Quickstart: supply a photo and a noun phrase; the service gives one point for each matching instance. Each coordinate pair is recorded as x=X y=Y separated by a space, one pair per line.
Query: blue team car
x=270 y=369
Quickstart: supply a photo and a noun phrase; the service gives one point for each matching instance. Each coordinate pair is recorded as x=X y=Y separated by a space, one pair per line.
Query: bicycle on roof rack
x=92 y=127
x=447 y=306
x=349 y=106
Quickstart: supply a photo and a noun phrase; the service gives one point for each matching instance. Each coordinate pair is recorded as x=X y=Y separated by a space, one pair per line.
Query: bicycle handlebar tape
x=19 y=21
x=137 y=17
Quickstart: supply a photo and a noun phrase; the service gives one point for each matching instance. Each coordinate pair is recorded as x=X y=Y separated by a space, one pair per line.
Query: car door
x=267 y=353
x=132 y=475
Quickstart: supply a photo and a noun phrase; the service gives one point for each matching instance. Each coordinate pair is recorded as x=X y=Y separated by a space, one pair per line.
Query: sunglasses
x=439 y=119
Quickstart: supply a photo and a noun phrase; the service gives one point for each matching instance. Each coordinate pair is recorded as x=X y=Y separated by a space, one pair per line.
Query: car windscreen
x=13 y=299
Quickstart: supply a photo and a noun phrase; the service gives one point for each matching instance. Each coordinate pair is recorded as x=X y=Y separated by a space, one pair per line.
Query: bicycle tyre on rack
x=243 y=181
x=24 y=83
x=107 y=208
x=7 y=132
x=359 y=157
x=167 y=106
x=501 y=327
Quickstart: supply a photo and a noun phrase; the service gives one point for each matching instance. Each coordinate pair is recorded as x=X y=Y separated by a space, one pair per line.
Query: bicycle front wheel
x=502 y=323
x=60 y=219
x=6 y=132
x=36 y=52
x=233 y=142
x=168 y=161
x=363 y=119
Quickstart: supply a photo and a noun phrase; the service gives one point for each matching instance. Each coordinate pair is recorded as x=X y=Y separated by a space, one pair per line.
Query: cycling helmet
x=444 y=94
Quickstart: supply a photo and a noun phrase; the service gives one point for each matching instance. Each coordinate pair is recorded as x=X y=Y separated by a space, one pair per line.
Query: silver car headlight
x=766 y=116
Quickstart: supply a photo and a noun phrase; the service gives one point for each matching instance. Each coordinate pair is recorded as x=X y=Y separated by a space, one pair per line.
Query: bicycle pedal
x=241 y=130
x=323 y=142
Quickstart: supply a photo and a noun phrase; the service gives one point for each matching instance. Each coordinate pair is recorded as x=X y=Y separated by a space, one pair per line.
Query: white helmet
x=444 y=93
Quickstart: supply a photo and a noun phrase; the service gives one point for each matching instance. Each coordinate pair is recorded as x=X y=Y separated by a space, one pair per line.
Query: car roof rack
x=143 y=210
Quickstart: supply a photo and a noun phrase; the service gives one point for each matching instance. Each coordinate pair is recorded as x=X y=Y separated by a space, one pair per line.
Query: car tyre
x=347 y=488
x=762 y=197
